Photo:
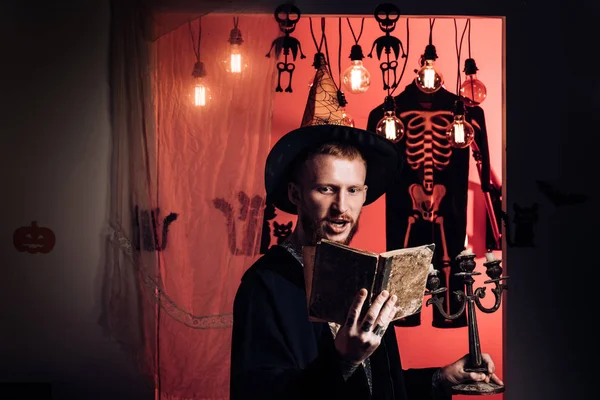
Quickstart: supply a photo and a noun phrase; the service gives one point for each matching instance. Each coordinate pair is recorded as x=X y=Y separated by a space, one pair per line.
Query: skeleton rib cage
x=426 y=143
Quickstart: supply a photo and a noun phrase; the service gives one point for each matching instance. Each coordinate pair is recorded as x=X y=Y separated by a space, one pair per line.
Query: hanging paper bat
x=559 y=197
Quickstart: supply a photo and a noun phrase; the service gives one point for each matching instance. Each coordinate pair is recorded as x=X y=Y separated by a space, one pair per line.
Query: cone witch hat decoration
x=322 y=106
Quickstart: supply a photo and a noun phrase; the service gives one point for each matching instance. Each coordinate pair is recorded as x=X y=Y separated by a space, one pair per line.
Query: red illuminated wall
x=424 y=345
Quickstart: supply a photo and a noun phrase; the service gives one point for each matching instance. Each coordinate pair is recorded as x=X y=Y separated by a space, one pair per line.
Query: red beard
x=315 y=229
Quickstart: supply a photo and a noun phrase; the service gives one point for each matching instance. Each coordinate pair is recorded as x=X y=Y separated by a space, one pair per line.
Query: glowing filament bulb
x=428 y=79
x=200 y=95
x=461 y=133
x=356 y=78
x=390 y=127
x=236 y=59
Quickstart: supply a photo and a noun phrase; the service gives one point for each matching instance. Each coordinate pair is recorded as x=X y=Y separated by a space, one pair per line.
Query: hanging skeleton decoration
x=387 y=15
x=287 y=16
x=427 y=202
x=427 y=149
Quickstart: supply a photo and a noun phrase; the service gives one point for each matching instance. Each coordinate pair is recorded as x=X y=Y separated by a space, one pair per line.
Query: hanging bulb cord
x=431 y=23
x=340 y=95
x=356 y=51
x=327 y=50
x=312 y=33
x=196 y=47
x=340 y=54
x=322 y=42
x=459 y=49
x=199 y=70
x=469 y=37
x=362 y=25
x=430 y=53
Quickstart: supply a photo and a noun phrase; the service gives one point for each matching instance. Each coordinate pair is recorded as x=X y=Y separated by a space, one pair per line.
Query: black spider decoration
x=287 y=15
x=387 y=14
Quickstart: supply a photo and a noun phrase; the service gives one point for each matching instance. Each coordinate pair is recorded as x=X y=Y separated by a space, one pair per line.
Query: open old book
x=334 y=273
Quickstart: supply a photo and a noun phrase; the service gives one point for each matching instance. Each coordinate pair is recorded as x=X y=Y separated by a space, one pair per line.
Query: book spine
x=382 y=277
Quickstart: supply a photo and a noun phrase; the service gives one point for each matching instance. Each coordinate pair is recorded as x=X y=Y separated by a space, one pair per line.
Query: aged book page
x=406 y=277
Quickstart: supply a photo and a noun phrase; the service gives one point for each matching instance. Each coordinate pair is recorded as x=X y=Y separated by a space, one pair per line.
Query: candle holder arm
x=438 y=301
x=497 y=290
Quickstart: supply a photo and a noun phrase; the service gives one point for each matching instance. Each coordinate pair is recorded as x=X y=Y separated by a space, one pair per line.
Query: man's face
x=330 y=194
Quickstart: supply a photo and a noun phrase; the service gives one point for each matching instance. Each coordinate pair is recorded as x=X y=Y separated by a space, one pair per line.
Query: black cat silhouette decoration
x=524 y=221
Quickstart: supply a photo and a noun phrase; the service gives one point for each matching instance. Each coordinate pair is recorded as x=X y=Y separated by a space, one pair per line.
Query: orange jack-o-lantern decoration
x=34 y=239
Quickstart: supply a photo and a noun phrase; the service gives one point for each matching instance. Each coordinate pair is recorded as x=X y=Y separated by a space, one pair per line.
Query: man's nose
x=341 y=202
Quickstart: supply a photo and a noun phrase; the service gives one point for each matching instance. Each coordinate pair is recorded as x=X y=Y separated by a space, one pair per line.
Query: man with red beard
x=324 y=174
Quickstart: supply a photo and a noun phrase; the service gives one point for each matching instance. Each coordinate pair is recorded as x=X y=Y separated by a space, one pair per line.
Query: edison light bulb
x=428 y=79
x=390 y=127
x=473 y=91
x=201 y=95
x=356 y=78
x=347 y=120
x=461 y=133
x=235 y=60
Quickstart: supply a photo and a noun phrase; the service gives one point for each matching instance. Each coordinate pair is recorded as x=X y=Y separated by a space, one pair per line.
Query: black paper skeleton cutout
x=387 y=15
x=287 y=15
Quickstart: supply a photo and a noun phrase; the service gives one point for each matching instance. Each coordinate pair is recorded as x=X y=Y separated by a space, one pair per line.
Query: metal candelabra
x=469 y=299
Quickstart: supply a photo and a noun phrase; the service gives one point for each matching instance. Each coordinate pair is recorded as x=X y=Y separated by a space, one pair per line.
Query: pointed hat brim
x=383 y=159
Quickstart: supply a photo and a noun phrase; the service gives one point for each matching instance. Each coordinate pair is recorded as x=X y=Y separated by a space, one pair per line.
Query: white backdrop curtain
x=187 y=194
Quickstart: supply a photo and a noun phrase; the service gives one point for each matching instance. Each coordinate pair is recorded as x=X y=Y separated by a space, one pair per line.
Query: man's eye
x=325 y=189
x=354 y=190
